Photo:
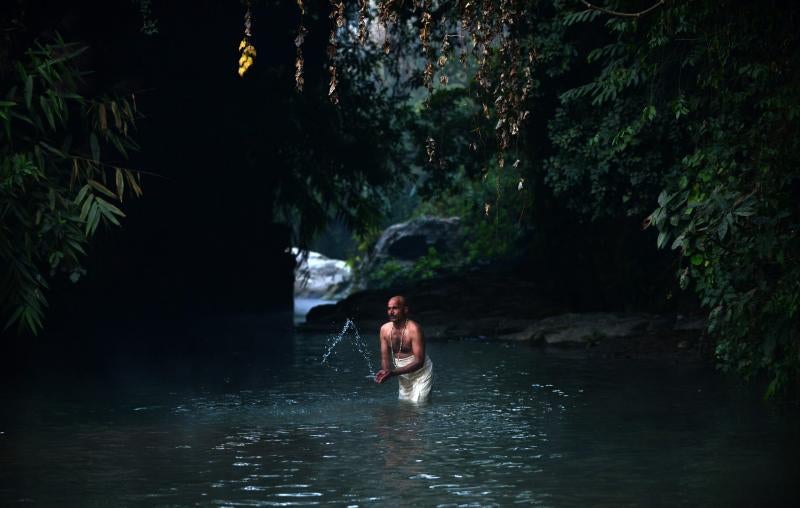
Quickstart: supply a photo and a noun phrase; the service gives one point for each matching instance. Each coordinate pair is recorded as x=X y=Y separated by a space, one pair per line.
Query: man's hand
x=383 y=375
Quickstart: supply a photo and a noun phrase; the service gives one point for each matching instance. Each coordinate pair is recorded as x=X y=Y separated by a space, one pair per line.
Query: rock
x=464 y=305
x=581 y=329
x=497 y=306
x=318 y=276
x=408 y=241
x=692 y=324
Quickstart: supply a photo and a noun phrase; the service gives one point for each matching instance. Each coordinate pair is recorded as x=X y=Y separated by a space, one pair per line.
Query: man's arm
x=386 y=361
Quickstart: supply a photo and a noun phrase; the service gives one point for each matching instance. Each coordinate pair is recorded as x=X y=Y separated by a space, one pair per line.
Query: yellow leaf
x=101 y=116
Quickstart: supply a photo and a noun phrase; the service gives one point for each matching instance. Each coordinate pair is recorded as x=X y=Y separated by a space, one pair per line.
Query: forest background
x=638 y=155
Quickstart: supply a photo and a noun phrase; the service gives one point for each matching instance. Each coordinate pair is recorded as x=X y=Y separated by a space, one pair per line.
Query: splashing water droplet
x=358 y=342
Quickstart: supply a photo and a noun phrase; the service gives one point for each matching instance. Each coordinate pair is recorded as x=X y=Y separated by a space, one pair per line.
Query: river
x=507 y=424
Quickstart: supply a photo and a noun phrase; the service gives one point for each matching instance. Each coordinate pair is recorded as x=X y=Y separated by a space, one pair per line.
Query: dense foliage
x=693 y=110
x=731 y=206
x=681 y=116
x=60 y=174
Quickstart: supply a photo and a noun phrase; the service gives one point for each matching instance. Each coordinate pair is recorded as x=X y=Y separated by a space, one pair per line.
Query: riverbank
x=500 y=307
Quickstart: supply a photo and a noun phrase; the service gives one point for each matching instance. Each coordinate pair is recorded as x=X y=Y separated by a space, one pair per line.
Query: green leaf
x=102 y=188
x=131 y=177
x=77 y=246
x=115 y=140
x=24 y=118
x=722 y=229
x=109 y=211
x=662 y=239
x=697 y=259
x=87 y=205
x=53 y=149
x=120 y=182
x=93 y=219
x=95 y=146
x=70 y=95
x=28 y=91
x=14 y=317
x=82 y=194
x=48 y=112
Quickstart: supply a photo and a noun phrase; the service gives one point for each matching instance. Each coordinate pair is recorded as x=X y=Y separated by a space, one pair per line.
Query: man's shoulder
x=386 y=327
x=413 y=325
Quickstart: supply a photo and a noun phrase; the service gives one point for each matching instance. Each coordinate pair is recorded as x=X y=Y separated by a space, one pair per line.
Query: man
x=403 y=353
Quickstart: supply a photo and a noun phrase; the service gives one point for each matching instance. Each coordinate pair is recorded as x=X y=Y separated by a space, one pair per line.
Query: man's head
x=396 y=309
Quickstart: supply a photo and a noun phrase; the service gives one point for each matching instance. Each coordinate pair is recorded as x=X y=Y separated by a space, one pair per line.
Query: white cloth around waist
x=414 y=386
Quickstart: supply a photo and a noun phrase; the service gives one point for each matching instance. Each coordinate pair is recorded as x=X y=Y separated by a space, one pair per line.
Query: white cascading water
x=348 y=330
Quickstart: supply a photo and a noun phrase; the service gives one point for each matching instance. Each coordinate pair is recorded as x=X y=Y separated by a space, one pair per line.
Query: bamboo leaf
x=14 y=317
x=120 y=181
x=113 y=209
x=87 y=205
x=53 y=149
x=77 y=246
x=115 y=114
x=105 y=210
x=70 y=95
x=102 y=188
x=74 y=175
x=81 y=195
x=24 y=118
x=93 y=219
x=137 y=190
x=48 y=112
x=101 y=117
x=28 y=91
x=115 y=140
x=95 y=146
x=31 y=316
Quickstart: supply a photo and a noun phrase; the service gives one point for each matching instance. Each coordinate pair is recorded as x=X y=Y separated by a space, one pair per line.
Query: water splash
x=358 y=343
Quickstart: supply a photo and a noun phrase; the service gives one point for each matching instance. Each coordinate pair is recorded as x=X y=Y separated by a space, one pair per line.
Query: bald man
x=403 y=354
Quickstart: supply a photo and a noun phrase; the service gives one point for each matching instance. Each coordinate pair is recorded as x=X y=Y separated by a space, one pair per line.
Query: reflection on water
x=507 y=424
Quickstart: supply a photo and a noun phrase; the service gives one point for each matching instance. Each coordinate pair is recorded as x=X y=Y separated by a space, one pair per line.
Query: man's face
x=396 y=310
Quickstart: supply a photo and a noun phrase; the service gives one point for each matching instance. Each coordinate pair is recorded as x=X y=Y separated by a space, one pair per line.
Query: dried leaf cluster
x=487 y=33
x=246 y=48
x=485 y=30
x=298 y=43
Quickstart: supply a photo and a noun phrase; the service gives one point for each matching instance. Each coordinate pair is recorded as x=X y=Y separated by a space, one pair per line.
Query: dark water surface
x=508 y=424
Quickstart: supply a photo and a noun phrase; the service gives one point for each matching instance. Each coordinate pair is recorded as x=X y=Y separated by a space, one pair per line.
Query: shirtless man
x=403 y=353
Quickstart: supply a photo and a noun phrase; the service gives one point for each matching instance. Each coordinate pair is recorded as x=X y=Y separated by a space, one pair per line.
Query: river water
x=508 y=424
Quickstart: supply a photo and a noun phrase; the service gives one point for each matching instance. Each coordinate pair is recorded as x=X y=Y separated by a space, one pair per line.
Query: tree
x=687 y=107
x=59 y=179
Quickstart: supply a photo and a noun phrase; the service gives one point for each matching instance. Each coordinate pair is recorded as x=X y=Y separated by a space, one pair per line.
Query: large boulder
x=584 y=328
x=317 y=276
x=408 y=241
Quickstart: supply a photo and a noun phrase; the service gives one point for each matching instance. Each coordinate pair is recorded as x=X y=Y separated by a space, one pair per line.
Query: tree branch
x=623 y=14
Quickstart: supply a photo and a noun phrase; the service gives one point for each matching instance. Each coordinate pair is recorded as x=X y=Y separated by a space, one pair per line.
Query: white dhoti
x=415 y=386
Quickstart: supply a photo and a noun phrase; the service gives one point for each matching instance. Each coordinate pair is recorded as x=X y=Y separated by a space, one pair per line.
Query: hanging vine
x=488 y=35
x=246 y=48
x=298 y=43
